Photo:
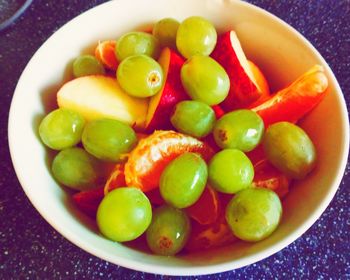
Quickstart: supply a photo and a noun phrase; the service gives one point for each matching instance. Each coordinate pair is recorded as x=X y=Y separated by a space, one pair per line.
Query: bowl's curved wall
x=279 y=50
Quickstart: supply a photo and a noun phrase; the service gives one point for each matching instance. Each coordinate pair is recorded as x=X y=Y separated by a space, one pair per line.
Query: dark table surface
x=31 y=249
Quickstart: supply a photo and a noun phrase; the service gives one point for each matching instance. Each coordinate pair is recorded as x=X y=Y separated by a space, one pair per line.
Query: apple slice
x=98 y=96
x=162 y=104
x=262 y=84
x=88 y=201
x=219 y=112
x=244 y=89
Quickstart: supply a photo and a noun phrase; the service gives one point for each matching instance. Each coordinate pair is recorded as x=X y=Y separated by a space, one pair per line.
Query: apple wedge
x=244 y=89
x=162 y=104
x=98 y=96
x=88 y=201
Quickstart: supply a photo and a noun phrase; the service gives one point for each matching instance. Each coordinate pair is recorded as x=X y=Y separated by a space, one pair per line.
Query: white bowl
x=282 y=53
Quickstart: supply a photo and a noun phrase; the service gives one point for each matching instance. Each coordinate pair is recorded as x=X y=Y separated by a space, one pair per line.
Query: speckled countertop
x=31 y=249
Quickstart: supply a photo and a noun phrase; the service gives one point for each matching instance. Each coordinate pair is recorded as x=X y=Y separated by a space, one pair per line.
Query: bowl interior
x=281 y=53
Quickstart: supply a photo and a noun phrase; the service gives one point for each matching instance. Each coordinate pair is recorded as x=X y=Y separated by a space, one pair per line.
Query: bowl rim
x=196 y=269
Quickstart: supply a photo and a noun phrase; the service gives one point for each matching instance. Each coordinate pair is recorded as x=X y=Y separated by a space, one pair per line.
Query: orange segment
x=214 y=235
x=256 y=155
x=116 y=179
x=104 y=52
x=210 y=236
x=206 y=210
x=296 y=100
x=148 y=160
x=267 y=176
x=141 y=135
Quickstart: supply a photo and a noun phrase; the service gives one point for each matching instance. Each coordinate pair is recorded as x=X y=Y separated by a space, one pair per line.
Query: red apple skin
x=219 y=112
x=171 y=93
x=243 y=90
x=155 y=197
x=88 y=201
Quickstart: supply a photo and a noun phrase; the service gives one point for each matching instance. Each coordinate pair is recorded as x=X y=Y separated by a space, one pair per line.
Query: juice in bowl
x=193 y=153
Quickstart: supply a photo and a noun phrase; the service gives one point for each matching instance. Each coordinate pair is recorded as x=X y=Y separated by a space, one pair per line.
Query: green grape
x=136 y=43
x=205 y=80
x=195 y=36
x=86 y=65
x=124 y=214
x=140 y=76
x=230 y=171
x=61 y=129
x=254 y=213
x=169 y=231
x=75 y=168
x=183 y=180
x=165 y=31
x=193 y=118
x=108 y=139
x=241 y=129
x=289 y=149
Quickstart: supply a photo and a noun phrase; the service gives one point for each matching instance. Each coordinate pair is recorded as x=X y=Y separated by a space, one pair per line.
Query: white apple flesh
x=161 y=105
x=96 y=97
x=243 y=87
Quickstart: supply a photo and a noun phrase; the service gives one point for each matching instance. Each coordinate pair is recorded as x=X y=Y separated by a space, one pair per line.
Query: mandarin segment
x=205 y=237
x=206 y=209
x=104 y=52
x=148 y=160
x=256 y=155
x=116 y=179
x=268 y=177
x=295 y=101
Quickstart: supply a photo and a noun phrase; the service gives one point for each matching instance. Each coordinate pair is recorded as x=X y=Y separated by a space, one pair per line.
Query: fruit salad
x=172 y=138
